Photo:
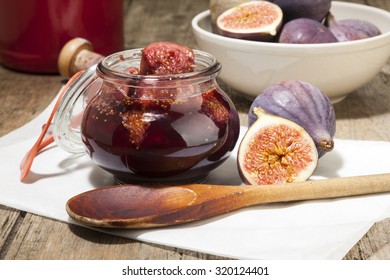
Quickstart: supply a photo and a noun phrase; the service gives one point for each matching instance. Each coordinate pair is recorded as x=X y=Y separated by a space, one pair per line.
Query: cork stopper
x=76 y=55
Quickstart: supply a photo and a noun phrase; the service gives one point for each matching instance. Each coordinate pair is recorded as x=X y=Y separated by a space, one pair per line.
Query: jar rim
x=207 y=66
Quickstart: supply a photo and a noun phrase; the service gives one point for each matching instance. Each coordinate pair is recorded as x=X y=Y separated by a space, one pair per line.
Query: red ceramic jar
x=171 y=128
x=32 y=32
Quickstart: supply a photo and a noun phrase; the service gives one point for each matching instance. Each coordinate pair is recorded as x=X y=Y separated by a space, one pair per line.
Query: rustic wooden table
x=365 y=115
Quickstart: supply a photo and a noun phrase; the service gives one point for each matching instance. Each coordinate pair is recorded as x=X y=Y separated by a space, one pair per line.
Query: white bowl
x=336 y=68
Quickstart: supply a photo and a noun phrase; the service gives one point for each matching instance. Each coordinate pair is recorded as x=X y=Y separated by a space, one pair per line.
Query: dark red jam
x=149 y=134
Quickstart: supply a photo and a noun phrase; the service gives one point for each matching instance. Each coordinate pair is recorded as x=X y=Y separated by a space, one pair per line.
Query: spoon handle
x=322 y=189
x=213 y=200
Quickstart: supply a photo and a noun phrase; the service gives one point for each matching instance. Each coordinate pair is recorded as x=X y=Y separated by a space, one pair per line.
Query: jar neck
x=114 y=69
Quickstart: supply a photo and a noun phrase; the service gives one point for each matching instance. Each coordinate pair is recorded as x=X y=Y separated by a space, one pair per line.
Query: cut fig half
x=255 y=20
x=276 y=150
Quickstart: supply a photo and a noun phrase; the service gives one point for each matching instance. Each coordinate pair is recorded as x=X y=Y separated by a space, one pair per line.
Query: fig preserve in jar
x=149 y=128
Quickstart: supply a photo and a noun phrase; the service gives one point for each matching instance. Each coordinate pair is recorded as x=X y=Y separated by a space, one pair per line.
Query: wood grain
x=365 y=115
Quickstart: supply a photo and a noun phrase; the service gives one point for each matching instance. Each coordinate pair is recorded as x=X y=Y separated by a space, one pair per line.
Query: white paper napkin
x=324 y=229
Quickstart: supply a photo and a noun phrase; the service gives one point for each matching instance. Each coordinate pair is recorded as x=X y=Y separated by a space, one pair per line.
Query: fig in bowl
x=336 y=68
x=312 y=9
x=351 y=29
x=255 y=20
x=306 y=31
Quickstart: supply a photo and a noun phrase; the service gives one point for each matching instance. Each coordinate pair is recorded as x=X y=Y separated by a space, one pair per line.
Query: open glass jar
x=149 y=128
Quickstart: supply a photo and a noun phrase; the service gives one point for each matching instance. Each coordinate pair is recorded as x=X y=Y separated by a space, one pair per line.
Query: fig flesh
x=217 y=7
x=351 y=29
x=313 y=9
x=276 y=150
x=255 y=20
x=163 y=58
x=306 y=31
x=304 y=104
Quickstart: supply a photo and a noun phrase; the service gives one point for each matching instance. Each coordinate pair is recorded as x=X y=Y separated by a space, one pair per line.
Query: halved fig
x=276 y=150
x=255 y=20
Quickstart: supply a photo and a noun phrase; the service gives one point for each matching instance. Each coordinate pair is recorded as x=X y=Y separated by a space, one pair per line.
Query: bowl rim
x=379 y=40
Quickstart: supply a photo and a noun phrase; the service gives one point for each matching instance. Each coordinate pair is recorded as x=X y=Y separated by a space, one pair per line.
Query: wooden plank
x=151 y=21
x=10 y=220
x=39 y=238
x=375 y=245
x=24 y=96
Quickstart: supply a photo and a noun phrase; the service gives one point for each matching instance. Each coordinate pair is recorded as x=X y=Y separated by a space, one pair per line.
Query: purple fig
x=306 y=31
x=351 y=29
x=275 y=150
x=313 y=9
x=303 y=104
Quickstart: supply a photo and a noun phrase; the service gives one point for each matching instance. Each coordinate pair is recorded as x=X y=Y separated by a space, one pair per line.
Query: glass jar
x=32 y=32
x=147 y=128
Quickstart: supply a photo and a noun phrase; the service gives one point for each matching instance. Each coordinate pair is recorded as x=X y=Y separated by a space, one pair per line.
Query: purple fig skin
x=303 y=104
x=351 y=29
x=254 y=36
x=313 y=9
x=306 y=31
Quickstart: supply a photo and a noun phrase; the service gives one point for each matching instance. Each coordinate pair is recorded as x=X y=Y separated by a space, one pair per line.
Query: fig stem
x=327 y=145
x=259 y=112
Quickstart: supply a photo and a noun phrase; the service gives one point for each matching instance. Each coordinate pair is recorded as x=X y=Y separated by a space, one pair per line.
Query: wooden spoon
x=135 y=206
